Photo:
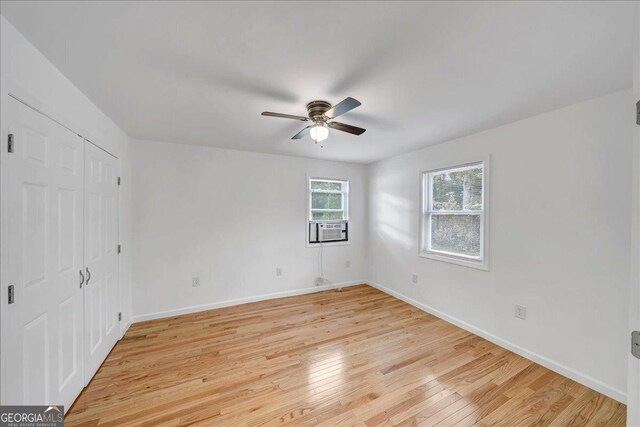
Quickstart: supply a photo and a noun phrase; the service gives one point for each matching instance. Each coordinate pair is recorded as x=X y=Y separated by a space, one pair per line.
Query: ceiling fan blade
x=342 y=107
x=304 y=132
x=346 y=128
x=285 y=116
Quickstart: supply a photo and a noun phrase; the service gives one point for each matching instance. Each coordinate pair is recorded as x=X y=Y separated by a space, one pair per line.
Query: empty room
x=344 y=213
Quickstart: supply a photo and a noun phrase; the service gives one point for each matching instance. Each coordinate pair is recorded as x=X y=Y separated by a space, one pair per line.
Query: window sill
x=478 y=265
x=317 y=245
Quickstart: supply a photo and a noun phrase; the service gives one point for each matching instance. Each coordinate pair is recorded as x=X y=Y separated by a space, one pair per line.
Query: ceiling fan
x=320 y=113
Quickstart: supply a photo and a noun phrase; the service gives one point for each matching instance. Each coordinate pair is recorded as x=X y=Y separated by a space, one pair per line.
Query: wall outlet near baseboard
x=414 y=278
x=521 y=312
x=347 y=264
x=195 y=281
x=278 y=271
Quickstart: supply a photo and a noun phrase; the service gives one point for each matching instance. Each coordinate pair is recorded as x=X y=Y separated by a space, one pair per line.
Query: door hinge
x=119 y=248
x=12 y=296
x=118 y=180
x=119 y=316
x=635 y=343
x=10 y=143
x=638 y=113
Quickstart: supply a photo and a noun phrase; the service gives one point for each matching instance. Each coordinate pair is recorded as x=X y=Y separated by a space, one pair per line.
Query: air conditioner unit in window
x=328 y=232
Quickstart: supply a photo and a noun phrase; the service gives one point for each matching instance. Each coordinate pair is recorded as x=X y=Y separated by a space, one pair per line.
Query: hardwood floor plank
x=353 y=358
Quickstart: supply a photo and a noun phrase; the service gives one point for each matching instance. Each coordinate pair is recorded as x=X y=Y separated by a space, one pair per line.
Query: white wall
x=560 y=221
x=231 y=218
x=27 y=74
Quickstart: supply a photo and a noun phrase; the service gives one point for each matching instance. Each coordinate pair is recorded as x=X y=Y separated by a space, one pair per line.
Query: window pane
x=327 y=216
x=459 y=234
x=456 y=191
x=326 y=200
x=326 y=185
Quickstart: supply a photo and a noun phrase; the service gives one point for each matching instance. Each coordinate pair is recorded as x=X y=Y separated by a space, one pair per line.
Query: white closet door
x=44 y=352
x=100 y=256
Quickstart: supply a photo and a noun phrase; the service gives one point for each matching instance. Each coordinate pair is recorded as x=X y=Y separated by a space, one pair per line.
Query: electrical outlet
x=278 y=271
x=414 y=278
x=521 y=312
x=347 y=264
x=195 y=281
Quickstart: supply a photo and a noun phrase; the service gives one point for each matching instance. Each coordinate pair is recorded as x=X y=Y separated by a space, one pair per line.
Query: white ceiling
x=202 y=72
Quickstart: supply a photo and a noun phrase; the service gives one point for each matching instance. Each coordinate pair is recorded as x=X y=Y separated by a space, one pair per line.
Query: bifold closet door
x=100 y=256
x=43 y=341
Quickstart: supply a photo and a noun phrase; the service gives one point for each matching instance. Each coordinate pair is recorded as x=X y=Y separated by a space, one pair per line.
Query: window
x=328 y=200
x=328 y=210
x=453 y=214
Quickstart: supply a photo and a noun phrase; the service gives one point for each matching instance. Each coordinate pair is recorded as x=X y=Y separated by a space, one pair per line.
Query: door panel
x=37 y=367
x=101 y=258
x=44 y=353
x=92 y=307
x=69 y=336
x=67 y=207
x=111 y=286
x=92 y=227
x=34 y=236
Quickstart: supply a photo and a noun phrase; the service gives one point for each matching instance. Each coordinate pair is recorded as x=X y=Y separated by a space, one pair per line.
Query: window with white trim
x=328 y=210
x=453 y=214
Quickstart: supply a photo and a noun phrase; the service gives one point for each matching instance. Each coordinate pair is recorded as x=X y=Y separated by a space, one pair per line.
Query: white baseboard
x=579 y=377
x=126 y=328
x=228 y=303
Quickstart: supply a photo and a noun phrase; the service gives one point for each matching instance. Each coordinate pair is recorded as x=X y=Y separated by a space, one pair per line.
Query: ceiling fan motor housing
x=316 y=110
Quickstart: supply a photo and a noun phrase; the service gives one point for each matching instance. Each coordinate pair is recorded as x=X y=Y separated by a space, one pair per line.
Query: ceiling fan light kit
x=319 y=132
x=320 y=112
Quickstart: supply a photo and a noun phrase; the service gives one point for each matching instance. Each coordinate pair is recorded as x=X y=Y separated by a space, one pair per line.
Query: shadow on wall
x=394 y=214
x=394 y=231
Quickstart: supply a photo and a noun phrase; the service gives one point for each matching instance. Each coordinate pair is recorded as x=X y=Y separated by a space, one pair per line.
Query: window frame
x=345 y=200
x=426 y=212
x=346 y=205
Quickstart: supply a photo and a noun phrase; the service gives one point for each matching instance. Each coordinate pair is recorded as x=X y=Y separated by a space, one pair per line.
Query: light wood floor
x=357 y=357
